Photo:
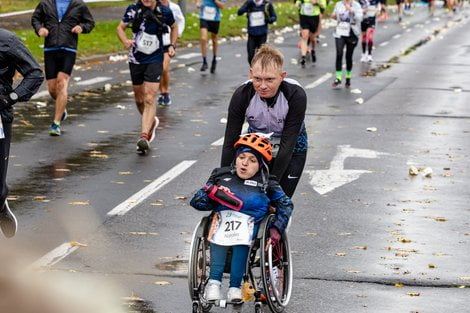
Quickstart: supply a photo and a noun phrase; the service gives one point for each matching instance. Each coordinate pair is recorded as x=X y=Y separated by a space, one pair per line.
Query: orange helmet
x=258 y=143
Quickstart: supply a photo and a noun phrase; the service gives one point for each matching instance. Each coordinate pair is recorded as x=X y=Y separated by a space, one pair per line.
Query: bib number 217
x=232 y=225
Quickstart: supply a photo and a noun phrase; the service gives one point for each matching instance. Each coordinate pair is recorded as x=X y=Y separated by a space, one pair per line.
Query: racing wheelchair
x=268 y=269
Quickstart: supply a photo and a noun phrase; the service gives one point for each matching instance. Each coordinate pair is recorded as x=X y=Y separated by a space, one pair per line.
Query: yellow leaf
x=125 y=173
x=413 y=294
x=431 y=265
x=39 y=198
x=162 y=283
x=440 y=219
x=79 y=203
x=77 y=244
x=181 y=198
x=360 y=247
x=12 y=198
x=399 y=285
x=340 y=254
x=404 y=240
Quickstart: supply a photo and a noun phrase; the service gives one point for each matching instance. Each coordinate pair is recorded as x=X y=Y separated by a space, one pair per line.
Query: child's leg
x=238 y=265
x=218 y=256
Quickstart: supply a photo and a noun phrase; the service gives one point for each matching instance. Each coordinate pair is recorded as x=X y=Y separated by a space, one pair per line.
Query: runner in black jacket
x=271 y=103
x=13 y=57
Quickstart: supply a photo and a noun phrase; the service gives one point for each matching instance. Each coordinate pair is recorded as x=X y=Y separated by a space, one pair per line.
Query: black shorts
x=150 y=73
x=383 y=2
x=368 y=22
x=212 y=26
x=58 y=61
x=309 y=22
x=400 y=1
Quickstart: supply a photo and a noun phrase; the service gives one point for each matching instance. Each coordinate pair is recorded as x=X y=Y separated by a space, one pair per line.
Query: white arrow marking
x=324 y=181
x=319 y=81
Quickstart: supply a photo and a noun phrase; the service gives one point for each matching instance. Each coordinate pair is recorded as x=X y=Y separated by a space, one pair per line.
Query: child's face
x=247 y=165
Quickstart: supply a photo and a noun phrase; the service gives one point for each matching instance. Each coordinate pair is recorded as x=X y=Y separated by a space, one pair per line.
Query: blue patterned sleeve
x=282 y=203
x=201 y=201
x=130 y=13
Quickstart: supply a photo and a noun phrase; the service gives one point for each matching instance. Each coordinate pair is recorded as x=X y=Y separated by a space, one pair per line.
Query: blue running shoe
x=166 y=99
x=55 y=129
x=160 y=99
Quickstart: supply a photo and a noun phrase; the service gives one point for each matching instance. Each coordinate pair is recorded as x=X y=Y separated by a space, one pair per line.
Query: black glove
x=5 y=102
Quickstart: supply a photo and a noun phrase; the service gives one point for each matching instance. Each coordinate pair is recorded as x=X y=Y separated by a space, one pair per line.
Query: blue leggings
x=237 y=267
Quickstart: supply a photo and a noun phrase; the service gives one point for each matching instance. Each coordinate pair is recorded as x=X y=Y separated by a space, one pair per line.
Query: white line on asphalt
x=397 y=36
x=383 y=44
x=54 y=256
x=40 y=94
x=158 y=183
x=94 y=81
x=319 y=81
x=218 y=142
x=188 y=55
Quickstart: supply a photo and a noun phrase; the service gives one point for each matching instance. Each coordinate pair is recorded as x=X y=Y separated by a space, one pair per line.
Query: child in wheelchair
x=240 y=197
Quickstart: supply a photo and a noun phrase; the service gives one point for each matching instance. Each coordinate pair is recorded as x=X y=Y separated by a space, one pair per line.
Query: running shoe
x=204 y=67
x=166 y=99
x=369 y=58
x=8 y=222
x=55 y=129
x=348 y=83
x=234 y=294
x=336 y=83
x=212 y=290
x=64 y=116
x=302 y=62
x=143 y=144
x=314 y=57
x=154 y=127
x=160 y=99
x=364 y=58
x=213 y=66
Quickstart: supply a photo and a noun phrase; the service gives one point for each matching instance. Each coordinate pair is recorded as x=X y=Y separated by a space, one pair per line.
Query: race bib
x=2 y=133
x=231 y=228
x=307 y=8
x=343 y=29
x=208 y=13
x=147 y=43
x=257 y=19
x=276 y=142
x=371 y=11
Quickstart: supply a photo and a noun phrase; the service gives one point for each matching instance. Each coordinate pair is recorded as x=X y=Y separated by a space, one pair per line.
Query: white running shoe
x=234 y=294
x=369 y=58
x=364 y=57
x=212 y=291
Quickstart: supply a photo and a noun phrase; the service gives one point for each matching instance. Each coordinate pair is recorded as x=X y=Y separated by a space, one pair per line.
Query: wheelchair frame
x=269 y=267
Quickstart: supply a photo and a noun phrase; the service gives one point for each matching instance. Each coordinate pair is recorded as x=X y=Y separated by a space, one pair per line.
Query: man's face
x=149 y=3
x=266 y=81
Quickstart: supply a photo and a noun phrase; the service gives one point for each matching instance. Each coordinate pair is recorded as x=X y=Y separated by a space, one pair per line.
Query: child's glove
x=274 y=235
x=223 y=197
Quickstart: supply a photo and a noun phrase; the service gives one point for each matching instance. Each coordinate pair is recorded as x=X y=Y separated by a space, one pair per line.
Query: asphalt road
x=366 y=236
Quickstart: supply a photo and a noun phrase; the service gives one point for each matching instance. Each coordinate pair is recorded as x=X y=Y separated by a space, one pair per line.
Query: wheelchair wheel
x=199 y=263
x=276 y=270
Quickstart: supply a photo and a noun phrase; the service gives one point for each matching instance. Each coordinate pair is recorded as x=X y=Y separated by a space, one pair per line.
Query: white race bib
x=307 y=8
x=147 y=43
x=2 y=133
x=231 y=228
x=257 y=19
x=371 y=11
x=343 y=29
x=209 y=13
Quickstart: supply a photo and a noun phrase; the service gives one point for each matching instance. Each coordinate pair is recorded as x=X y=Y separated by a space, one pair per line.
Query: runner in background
x=371 y=10
x=164 y=97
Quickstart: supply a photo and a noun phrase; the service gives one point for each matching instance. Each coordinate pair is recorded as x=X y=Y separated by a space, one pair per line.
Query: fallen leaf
x=125 y=173
x=353 y=271
x=39 y=198
x=399 y=285
x=181 y=198
x=340 y=254
x=77 y=244
x=79 y=203
x=102 y=131
x=360 y=247
x=311 y=234
x=440 y=219
x=62 y=170
x=413 y=294
x=142 y=233
x=344 y=234
x=162 y=283
x=404 y=240
x=413 y=171
x=371 y=129
x=431 y=265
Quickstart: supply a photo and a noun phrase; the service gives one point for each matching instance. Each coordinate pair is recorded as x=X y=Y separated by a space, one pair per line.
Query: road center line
x=54 y=256
x=383 y=44
x=94 y=81
x=319 y=81
x=146 y=192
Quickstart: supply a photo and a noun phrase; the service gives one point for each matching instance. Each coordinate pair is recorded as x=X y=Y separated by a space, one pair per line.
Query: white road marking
x=151 y=188
x=319 y=81
x=40 y=94
x=54 y=256
x=324 y=181
x=383 y=44
x=218 y=142
x=94 y=80
x=124 y=71
x=188 y=55
x=397 y=36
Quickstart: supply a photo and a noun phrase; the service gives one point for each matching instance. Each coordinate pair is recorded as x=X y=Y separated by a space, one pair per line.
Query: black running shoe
x=348 y=83
x=8 y=222
x=336 y=83
x=302 y=62
x=213 y=66
x=143 y=145
x=204 y=67
x=314 y=57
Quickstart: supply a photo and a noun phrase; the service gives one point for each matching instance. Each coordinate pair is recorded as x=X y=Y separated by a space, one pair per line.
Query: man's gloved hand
x=5 y=102
x=274 y=235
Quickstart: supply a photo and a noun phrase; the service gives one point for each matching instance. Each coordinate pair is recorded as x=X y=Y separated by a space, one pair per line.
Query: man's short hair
x=268 y=56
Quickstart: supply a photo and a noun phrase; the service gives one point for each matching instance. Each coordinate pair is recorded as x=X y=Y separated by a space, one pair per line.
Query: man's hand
x=129 y=43
x=171 y=51
x=198 y=4
x=77 y=29
x=5 y=102
x=43 y=32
